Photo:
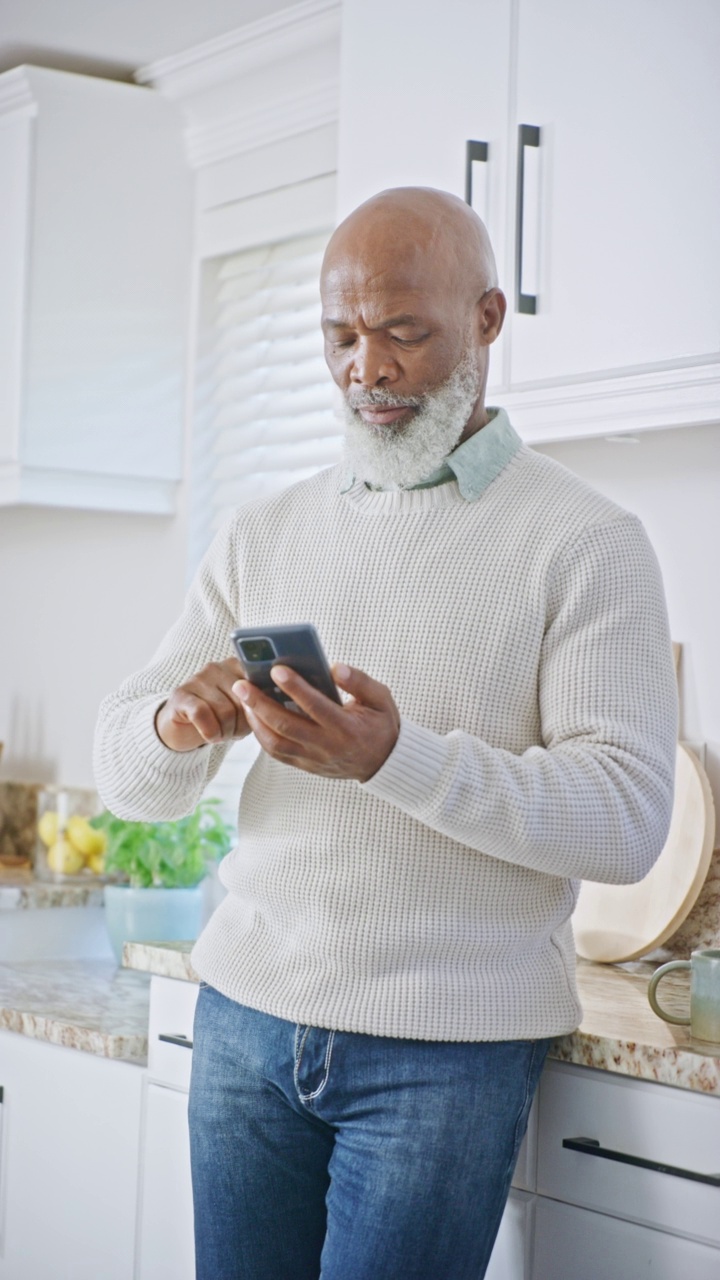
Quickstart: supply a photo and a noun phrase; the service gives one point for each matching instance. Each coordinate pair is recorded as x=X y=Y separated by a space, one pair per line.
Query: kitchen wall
x=84 y=599
x=671 y=480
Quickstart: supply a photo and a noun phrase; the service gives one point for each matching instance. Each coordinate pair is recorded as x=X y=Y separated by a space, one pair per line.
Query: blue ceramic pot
x=152 y=915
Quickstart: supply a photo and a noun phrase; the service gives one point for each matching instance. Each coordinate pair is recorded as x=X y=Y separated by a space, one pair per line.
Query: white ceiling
x=112 y=38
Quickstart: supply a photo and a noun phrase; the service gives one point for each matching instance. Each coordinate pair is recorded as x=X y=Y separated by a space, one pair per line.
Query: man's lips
x=378 y=416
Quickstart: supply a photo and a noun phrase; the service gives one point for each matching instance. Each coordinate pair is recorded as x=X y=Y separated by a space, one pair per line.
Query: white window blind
x=264 y=414
x=267 y=396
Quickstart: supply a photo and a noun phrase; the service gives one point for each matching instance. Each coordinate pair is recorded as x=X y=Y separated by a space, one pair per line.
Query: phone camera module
x=258 y=650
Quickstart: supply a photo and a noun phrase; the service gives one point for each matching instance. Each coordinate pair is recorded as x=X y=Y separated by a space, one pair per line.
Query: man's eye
x=409 y=342
x=339 y=343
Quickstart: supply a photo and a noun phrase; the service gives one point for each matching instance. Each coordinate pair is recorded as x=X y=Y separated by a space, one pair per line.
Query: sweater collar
x=475 y=463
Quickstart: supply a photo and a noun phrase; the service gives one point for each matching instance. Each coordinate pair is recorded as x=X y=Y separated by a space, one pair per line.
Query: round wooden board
x=612 y=922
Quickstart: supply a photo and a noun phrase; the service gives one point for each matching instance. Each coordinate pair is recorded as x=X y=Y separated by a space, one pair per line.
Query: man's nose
x=372 y=363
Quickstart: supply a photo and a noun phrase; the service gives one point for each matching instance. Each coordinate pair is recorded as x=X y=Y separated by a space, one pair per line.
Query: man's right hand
x=203 y=710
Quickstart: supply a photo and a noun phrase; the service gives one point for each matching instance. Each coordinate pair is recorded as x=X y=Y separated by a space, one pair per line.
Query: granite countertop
x=619 y=1031
x=89 y=1005
x=95 y=1007
x=21 y=891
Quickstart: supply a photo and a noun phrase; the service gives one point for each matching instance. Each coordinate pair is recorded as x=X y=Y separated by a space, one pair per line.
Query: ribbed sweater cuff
x=153 y=750
x=412 y=770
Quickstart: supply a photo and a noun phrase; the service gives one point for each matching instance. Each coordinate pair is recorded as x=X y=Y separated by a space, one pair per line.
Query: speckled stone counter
x=619 y=1031
x=89 y=1005
x=24 y=893
x=166 y=959
x=95 y=1007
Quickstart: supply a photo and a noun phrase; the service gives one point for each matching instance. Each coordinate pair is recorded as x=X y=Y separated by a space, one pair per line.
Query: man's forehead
x=380 y=304
x=401 y=283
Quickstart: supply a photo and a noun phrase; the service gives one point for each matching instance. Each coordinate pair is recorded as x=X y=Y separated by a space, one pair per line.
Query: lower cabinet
x=626 y=1179
x=576 y=1244
x=511 y=1255
x=69 y=1153
x=165 y=1219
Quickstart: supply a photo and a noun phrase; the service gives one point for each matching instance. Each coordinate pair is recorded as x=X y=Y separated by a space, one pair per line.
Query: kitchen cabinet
x=166 y=1242
x=574 y=1243
x=633 y=1219
x=619 y=327
x=69 y=1150
x=95 y=262
x=165 y=1227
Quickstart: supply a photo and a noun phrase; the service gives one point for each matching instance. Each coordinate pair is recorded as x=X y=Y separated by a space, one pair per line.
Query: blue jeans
x=331 y=1154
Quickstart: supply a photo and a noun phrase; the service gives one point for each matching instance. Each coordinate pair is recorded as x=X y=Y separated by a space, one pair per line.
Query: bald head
x=410 y=307
x=417 y=226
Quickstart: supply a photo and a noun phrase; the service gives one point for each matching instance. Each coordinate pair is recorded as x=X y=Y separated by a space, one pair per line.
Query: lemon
x=48 y=827
x=64 y=858
x=85 y=838
x=96 y=863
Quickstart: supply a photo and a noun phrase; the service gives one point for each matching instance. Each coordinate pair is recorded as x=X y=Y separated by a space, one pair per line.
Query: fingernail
x=241 y=690
x=280 y=674
x=343 y=672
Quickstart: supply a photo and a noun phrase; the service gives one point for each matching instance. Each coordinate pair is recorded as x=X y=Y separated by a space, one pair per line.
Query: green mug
x=704 y=1019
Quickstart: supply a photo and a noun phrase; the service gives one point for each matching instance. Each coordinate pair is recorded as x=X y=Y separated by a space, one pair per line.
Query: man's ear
x=491 y=308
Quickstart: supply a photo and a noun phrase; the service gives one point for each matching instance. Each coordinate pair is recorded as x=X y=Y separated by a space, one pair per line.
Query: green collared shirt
x=475 y=463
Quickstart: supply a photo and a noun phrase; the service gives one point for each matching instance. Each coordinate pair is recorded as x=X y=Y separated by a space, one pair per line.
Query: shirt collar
x=475 y=463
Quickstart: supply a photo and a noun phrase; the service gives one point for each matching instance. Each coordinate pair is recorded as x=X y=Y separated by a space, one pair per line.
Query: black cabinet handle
x=528 y=136
x=182 y=1041
x=591 y=1147
x=473 y=151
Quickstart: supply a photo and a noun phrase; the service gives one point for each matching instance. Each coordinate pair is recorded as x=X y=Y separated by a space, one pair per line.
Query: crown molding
x=247 y=48
x=283 y=118
x=230 y=109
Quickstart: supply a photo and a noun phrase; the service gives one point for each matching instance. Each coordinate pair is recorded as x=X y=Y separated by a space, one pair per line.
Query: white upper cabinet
x=602 y=210
x=627 y=98
x=418 y=81
x=95 y=262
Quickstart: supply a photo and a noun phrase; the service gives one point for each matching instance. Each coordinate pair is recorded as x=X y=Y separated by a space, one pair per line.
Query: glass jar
x=68 y=850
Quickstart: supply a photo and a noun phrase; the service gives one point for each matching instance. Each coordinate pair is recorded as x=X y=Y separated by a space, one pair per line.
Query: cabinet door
x=509 y=1259
x=573 y=1243
x=627 y=99
x=68 y=1162
x=166 y=1246
x=418 y=80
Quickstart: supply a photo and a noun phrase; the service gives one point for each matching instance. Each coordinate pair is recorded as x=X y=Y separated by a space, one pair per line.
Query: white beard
x=391 y=457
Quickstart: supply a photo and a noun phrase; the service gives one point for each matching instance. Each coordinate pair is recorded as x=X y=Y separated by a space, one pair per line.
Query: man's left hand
x=348 y=741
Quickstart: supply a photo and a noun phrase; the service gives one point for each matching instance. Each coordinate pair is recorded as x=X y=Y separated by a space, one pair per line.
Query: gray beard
x=390 y=457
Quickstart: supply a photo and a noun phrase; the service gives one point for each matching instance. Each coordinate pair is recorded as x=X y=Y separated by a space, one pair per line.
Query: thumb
x=362 y=687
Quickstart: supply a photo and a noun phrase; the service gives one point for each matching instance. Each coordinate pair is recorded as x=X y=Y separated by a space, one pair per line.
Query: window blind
x=264 y=406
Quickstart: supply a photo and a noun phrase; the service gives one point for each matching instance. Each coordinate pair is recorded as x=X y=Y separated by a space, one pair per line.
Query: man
x=394 y=952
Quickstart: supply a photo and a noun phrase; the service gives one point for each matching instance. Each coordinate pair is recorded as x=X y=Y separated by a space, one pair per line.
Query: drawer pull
x=182 y=1041
x=591 y=1147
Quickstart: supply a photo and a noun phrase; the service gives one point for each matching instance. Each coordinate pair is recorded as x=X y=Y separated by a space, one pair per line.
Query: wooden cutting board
x=623 y=922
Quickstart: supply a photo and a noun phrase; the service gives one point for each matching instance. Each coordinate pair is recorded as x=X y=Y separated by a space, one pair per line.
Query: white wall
x=84 y=599
x=671 y=480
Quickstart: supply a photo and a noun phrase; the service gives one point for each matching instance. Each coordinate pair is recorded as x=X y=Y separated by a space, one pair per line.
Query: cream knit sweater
x=524 y=637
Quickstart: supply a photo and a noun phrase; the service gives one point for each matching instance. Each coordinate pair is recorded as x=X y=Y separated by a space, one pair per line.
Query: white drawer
x=172 y=1010
x=575 y=1244
x=656 y=1123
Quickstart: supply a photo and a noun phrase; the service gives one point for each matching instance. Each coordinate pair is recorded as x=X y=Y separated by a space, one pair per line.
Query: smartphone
x=259 y=648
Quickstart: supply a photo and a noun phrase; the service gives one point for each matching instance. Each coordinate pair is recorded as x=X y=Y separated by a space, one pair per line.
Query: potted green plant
x=157 y=871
